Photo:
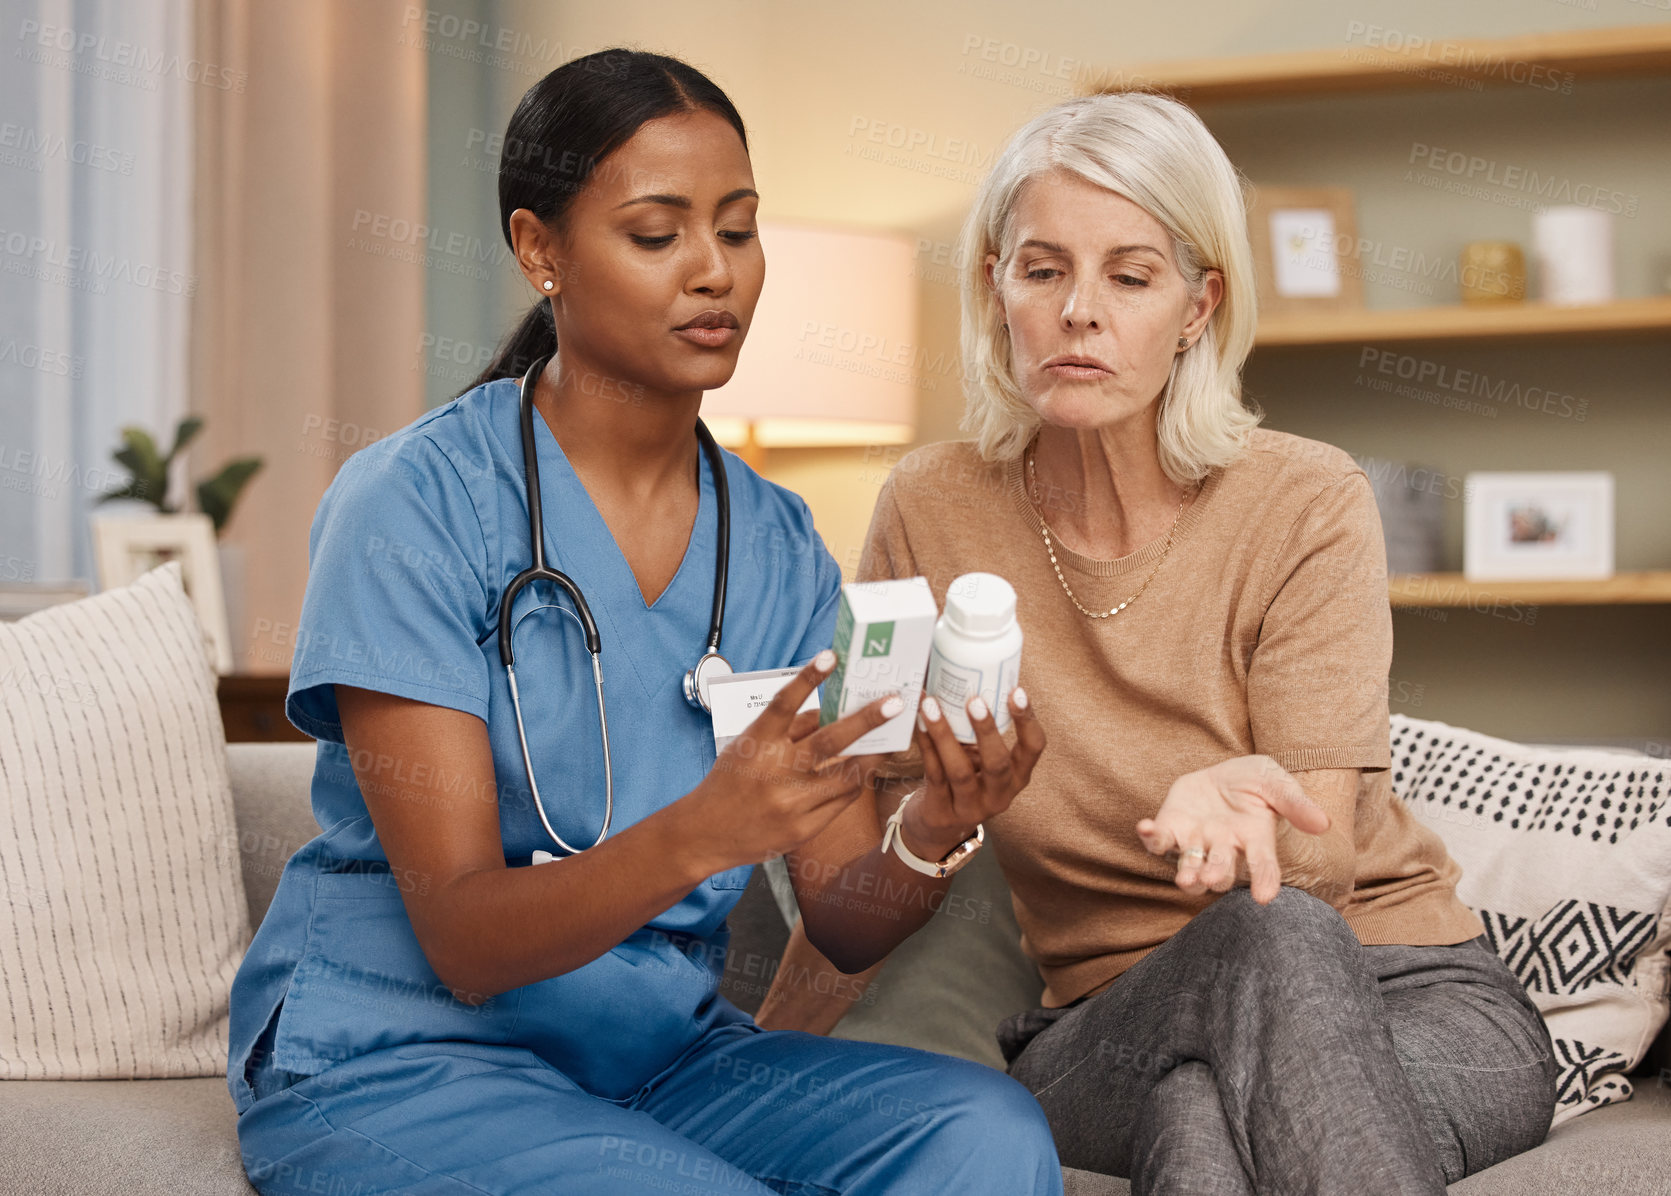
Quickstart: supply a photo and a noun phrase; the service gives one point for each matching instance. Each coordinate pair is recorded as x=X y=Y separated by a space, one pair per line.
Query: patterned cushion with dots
x=1566 y=858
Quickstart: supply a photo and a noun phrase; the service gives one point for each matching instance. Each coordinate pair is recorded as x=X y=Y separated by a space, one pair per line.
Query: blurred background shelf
x=1404 y=63
x=1407 y=590
x=1416 y=385
x=1468 y=322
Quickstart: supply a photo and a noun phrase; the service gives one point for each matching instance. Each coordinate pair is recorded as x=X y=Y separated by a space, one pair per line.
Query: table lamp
x=831 y=356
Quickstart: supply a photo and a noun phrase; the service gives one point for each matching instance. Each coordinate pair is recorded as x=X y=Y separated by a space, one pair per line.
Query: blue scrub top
x=410 y=551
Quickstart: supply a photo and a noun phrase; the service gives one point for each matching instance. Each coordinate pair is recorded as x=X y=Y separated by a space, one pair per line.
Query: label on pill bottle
x=954 y=684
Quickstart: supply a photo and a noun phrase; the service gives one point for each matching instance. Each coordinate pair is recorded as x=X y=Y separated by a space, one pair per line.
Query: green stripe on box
x=830 y=708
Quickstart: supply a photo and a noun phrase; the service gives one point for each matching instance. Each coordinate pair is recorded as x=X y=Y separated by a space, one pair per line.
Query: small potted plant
x=127 y=545
x=216 y=496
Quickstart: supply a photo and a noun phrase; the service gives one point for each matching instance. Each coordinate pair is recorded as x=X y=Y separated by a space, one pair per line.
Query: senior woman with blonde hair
x=1258 y=976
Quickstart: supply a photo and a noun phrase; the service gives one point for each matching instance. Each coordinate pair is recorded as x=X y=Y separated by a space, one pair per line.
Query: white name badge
x=737 y=700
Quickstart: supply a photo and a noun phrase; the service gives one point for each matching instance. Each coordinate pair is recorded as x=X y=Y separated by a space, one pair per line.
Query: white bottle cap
x=980 y=604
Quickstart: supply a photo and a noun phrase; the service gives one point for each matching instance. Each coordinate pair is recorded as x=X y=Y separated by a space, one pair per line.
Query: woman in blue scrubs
x=426 y=1009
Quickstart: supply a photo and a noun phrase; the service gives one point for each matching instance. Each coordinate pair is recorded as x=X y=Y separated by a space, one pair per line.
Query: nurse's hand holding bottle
x=965 y=784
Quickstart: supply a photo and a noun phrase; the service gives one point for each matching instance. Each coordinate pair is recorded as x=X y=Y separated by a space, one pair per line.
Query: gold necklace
x=1044 y=529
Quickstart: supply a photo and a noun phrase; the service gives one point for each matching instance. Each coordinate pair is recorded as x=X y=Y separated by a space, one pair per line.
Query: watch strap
x=894 y=838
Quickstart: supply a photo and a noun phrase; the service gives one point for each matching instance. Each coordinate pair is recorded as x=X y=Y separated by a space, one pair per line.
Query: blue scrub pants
x=742 y=1111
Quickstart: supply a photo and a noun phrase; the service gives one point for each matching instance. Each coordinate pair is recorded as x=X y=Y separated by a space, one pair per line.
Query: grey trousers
x=1264 y=1049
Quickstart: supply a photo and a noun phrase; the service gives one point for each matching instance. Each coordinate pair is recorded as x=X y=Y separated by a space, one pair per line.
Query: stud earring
x=547 y=284
x=1183 y=342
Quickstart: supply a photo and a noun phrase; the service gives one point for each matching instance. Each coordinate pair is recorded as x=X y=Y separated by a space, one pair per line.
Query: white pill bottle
x=976 y=650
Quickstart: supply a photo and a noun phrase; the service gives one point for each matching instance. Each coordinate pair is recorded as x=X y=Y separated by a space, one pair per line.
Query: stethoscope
x=696 y=681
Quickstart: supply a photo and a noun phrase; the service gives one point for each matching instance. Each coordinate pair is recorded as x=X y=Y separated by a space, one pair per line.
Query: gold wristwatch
x=955 y=859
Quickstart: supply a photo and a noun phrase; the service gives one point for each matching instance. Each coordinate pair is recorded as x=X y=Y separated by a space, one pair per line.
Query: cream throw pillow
x=122 y=916
x=1566 y=858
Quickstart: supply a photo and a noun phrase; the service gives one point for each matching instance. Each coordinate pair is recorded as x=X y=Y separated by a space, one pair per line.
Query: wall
x=816 y=83
x=466 y=306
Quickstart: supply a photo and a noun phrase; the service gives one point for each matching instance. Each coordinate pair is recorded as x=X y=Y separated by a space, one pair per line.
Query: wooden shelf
x=1540 y=61
x=1469 y=322
x=1410 y=590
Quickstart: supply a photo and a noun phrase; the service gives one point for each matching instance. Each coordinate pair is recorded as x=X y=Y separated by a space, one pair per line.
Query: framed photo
x=1305 y=249
x=126 y=546
x=1538 y=527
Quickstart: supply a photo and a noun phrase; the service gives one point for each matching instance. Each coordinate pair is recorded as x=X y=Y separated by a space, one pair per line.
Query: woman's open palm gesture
x=1216 y=816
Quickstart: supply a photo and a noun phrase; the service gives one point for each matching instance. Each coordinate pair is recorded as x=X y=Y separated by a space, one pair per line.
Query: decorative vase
x=1492 y=272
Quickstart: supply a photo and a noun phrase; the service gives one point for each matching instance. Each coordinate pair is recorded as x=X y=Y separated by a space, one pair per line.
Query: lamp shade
x=831 y=355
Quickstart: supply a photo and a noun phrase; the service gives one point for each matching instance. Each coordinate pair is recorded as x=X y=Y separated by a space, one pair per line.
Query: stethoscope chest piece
x=709 y=669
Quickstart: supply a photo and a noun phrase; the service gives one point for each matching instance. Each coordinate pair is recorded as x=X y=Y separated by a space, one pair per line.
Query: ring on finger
x=1193 y=853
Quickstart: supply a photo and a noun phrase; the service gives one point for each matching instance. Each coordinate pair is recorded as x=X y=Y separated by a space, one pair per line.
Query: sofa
x=179 y=1136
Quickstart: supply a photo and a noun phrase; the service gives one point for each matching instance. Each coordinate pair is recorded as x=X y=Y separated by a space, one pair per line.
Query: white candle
x=1574 y=250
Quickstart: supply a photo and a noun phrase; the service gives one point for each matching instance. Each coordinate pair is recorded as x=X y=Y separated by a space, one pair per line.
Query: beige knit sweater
x=1265 y=630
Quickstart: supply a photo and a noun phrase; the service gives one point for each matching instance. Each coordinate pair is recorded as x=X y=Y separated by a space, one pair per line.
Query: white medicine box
x=882 y=635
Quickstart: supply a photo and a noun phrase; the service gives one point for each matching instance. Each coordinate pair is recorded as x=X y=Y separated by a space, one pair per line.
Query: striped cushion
x=122 y=915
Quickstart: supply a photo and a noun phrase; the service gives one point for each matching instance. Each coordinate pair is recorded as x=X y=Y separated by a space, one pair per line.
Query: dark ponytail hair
x=565 y=126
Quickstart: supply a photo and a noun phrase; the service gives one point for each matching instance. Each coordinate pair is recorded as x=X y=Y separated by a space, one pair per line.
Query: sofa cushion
x=72 y=1138
x=923 y=996
x=125 y=903
x=1566 y=857
x=1620 y=1149
x=172 y=1138
x=1089 y=1183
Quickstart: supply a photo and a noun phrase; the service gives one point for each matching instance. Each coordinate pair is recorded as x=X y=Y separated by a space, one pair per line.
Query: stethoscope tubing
x=538 y=570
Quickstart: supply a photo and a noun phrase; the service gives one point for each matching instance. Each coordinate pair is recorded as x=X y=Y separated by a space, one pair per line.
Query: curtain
x=97 y=275
x=309 y=310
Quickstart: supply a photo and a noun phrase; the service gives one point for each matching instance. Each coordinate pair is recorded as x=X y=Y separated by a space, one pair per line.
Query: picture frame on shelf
x=126 y=546
x=1538 y=527
x=1305 y=256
